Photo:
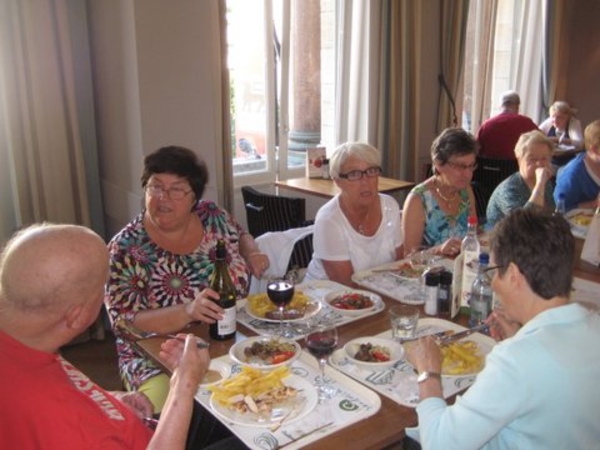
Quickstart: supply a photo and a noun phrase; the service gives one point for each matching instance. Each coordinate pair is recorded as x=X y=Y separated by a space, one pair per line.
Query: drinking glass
x=404 y=320
x=321 y=341
x=281 y=292
x=421 y=259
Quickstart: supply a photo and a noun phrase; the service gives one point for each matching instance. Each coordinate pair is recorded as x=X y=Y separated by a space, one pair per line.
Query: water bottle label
x=470 y=266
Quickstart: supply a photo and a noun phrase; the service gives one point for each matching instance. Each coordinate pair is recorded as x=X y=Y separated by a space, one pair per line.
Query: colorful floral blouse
x=145 y=276
x=439 y=226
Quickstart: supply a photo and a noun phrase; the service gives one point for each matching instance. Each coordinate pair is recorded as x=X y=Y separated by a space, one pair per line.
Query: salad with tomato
x=269 y=352
x=368 y=352
x=352 y=301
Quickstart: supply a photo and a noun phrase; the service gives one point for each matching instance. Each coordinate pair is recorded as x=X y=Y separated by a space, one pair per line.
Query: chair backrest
x=491 y=172
x=266 y=212
x=302 y=253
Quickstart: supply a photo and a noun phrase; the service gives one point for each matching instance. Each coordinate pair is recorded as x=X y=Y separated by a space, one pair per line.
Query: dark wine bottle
x=221 y=283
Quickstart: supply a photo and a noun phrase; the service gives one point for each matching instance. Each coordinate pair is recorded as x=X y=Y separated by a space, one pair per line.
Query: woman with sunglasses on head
x=436 y=211
x=161 y=262
x=359 y=228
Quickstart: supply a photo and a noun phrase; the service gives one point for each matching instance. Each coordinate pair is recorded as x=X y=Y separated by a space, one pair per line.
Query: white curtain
x=48 y=141
x=526 y=64
x=358 y=66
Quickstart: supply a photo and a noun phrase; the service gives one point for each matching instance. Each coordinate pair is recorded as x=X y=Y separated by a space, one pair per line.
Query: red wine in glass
x=321 y=341
x=281 y=293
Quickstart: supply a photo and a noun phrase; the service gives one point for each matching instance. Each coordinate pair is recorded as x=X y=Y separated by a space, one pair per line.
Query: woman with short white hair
x=562 y=127
x=359 y=228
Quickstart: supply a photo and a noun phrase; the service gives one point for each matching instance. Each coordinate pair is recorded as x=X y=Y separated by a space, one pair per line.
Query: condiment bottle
x=432 y=281
x=470 y=249
x=445 y=294
x=221 y=283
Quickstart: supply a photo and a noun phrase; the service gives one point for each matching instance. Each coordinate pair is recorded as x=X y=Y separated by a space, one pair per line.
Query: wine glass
x=280 y=292
x=420 y=259
x=321 y=341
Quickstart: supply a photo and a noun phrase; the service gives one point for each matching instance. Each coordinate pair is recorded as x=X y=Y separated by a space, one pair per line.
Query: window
x=281 y=64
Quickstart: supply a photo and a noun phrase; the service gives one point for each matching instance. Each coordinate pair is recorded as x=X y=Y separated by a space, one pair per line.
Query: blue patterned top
x=439 y=226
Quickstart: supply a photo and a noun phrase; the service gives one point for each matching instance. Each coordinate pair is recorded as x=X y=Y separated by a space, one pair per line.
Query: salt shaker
x=445 y=294
x=432 y=281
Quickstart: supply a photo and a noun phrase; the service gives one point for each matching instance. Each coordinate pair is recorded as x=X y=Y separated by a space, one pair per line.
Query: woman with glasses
x=531 y=185
x=436 y=211
x=160 y=263
x=359 y=228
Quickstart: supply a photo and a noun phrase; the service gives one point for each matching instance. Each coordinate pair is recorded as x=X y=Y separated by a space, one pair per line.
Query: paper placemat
x=317 y=290
x=351 y=403
x=385 y=281
x=399 y=382
x=586 y=292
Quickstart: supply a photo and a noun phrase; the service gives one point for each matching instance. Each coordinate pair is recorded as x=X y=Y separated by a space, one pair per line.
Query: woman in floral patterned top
x=436 y=211
x=161 y=262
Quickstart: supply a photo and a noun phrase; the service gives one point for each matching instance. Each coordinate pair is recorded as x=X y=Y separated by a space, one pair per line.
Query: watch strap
x=427 y=375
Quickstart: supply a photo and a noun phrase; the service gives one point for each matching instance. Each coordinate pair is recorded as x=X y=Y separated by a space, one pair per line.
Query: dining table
x=326 y=187
x=387 y=426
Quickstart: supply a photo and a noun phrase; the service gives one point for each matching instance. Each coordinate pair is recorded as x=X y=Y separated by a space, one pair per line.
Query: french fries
x=260 y=305
x=249 y=382
x=461 y=357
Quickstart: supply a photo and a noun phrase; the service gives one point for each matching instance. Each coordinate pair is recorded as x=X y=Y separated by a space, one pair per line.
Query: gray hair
x=562 y=107
x=527 y=140
x=360 y=150
x=510 y=98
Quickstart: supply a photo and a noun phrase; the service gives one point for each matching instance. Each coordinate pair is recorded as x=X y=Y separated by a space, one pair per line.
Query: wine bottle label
x=227 y=324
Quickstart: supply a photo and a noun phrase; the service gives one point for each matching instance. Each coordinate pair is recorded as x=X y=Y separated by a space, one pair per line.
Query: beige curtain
x=399 y=85
x=478 y=100
x=48 y=135
x=453 y=26
x=225 y=183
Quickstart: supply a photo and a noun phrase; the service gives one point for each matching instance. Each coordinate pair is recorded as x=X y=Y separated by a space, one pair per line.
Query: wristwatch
x=427 y=375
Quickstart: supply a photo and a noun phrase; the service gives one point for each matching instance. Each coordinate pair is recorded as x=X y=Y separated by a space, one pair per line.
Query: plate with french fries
x=263 y=399
x=302 y=307
x=580 y=220
x=462 y=358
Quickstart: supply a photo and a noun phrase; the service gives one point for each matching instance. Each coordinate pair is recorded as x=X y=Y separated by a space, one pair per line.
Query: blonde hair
x=562 y=107
x=526 y=140
x=592 y=135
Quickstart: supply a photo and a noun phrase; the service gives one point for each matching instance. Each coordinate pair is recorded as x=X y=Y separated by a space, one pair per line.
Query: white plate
x=396 y=352
x=236 y=352
x=578 y=229
x=405 y=271
x=312 y=309
x=304 y=403
x=221 y=368
x=376 y=299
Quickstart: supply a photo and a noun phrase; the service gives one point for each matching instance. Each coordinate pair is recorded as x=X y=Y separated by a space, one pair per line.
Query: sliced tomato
x=380 y=356
x=281 y=357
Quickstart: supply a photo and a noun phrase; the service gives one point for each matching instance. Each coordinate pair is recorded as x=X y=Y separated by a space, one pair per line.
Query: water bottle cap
x=472 y=220
x=484 y=258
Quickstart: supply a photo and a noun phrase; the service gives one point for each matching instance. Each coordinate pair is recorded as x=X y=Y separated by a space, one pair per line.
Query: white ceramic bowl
x=237 y=352
x=396 y=352
x=330 y=297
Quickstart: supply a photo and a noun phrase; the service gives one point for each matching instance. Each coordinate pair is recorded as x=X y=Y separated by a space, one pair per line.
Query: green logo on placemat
x=347 y=405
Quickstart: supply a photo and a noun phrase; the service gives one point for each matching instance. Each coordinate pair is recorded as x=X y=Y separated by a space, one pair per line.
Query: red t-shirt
x=498 y=135
x=49 y=404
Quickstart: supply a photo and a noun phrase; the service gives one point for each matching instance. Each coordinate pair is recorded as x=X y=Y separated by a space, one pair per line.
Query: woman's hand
x=501 y=326
x=542 y=175
x=449 y=248
x=424 y=354
x=203 y=308
x=258 y=263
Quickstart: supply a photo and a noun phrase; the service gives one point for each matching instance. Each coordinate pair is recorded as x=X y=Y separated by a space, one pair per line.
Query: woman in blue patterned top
x=531 y=185
x=161 y=262
x=436 y=211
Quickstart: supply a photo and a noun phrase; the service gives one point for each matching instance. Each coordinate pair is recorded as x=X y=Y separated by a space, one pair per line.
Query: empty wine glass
x=420 y=259
x=281 y=292
x=321 y=341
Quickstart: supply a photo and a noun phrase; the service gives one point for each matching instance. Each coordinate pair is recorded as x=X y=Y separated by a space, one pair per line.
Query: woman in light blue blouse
x=531 y=185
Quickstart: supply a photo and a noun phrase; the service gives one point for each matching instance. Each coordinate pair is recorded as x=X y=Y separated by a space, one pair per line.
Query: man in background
x=498 y=135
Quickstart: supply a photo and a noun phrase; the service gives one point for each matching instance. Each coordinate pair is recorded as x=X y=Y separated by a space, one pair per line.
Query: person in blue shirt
x=539 y=387
x=579 y=180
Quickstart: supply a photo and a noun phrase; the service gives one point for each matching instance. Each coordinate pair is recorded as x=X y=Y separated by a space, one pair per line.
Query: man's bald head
x=46 y=267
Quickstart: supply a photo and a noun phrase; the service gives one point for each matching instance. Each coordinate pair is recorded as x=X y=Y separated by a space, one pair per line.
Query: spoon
x=131 y=333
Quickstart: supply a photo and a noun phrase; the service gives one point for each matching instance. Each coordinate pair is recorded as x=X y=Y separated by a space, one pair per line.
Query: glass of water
x=404 y=320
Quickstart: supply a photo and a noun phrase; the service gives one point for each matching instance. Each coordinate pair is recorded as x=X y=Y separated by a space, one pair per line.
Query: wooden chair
x=266 y=212
x=491 y=172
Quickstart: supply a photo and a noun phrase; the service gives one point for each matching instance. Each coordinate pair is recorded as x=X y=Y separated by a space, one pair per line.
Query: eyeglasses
x=462 y=167
x=491 y=269
x=355 y=175
x=174 y=193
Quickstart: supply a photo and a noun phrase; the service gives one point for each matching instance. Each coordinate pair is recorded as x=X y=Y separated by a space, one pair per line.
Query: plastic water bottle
x=561 y=208
x=481 y=293
x=469 y=250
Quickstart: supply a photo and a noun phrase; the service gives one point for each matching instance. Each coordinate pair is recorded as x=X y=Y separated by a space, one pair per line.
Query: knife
x=463 y=334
